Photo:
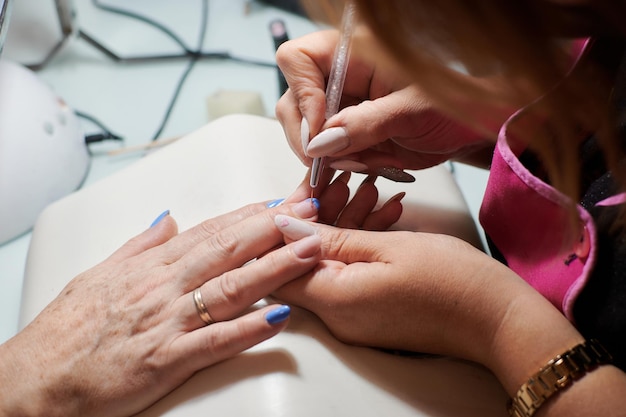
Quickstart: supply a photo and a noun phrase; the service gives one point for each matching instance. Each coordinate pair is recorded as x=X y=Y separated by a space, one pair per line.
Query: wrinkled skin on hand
x=126 y=332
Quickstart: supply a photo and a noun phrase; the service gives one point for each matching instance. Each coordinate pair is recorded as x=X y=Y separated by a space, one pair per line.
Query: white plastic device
x=43 y=155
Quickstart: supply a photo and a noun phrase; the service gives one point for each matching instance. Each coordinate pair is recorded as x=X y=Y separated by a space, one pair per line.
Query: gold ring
x=201 y=308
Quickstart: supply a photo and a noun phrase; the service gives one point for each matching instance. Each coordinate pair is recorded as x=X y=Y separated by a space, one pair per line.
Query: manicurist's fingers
x=305 y=64
x=292 y=124
x=338 y=244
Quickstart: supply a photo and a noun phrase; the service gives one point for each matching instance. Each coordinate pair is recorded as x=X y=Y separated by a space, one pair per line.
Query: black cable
x=97 y=137
x=187 y=52
x=278 y=30
x=193 y=55
x=100 y=137
x=177 y=90
x=202 y=34
x=146 y=20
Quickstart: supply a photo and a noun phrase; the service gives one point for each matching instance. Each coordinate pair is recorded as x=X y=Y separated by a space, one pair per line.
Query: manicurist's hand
x=400 y=290
x=435 y=293
x=128 y=331
x=384 y=122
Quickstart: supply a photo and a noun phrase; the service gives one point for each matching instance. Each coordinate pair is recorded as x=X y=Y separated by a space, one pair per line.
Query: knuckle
x=285 y=53
x=232 y=289
x=223 y=244
x=213 y=226
x=224 y=341
x=214 y=343
x=209 y=228
x=250 y=210
x=278 y=262
x=283 y=107
x=336 y=242
x=134 y=244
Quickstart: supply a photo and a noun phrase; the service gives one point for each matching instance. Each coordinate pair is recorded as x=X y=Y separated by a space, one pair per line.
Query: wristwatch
x=556 y=375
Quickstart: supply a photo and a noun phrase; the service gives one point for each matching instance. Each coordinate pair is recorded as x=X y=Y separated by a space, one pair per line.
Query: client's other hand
x=125 y=333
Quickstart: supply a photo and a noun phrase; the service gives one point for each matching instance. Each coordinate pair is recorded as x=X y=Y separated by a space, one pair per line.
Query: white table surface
x=130 y=99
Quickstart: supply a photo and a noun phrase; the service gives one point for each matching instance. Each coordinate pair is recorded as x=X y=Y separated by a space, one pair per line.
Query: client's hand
x=128 y=331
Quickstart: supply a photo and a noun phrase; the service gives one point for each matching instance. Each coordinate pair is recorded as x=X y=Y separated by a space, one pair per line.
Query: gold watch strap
x=558 y=374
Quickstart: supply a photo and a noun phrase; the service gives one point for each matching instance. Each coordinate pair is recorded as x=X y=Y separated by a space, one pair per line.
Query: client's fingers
x=234 y=246
x=359 y=208
x=334 y=198
x=162 y=229
x=229 y=294
x=180 y=245
x=304 y=188
x=219 y=341
x=386 y=216
x=186 y=240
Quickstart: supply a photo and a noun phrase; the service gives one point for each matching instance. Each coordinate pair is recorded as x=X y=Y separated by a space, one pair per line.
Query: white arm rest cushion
x=303 y=371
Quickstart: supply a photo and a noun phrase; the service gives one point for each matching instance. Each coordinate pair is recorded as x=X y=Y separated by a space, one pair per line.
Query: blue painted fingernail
x=161 y=217
x=275 y=203
x=307 y=208
x=278 y=315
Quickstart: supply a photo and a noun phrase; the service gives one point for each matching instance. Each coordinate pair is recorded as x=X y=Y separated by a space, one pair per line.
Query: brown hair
x=515 y=46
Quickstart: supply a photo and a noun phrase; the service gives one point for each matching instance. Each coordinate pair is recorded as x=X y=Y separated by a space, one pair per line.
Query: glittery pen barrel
x=336 y=79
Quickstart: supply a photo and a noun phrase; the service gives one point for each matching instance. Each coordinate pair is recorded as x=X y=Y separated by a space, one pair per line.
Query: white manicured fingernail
x=304 y=135
x=293 y=228
x=328 y=142
x=307 y=247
